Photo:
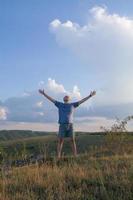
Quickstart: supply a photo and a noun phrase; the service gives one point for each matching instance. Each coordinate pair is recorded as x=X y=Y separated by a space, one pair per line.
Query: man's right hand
x=48 y=97
x=92 y=93
x=41 y=91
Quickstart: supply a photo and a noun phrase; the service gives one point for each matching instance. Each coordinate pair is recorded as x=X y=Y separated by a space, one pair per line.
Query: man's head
x=66 y=99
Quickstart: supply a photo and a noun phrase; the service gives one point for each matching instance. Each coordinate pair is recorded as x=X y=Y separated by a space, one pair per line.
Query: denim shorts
x=66 y=130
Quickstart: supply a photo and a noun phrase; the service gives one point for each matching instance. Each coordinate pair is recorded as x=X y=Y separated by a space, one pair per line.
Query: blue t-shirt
x=66 y=111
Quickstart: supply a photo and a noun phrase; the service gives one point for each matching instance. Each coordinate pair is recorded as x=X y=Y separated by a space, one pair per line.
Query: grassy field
x=46 y=143
x=103 y=169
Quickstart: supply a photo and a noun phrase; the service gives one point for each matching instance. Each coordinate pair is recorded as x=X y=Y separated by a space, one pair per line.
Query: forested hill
x=6 y=135
x=20 y=134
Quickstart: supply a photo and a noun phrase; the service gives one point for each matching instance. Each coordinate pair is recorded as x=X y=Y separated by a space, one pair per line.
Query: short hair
x=66 y=97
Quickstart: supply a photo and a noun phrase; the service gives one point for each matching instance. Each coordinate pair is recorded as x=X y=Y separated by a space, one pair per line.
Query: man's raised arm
x=88 y=97
x=48 y=97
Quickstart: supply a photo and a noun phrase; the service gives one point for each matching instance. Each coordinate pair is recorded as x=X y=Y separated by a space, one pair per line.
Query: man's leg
x=73 y=144
x=59 y=146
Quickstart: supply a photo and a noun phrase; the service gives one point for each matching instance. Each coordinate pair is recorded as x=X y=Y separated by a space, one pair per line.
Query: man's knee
x=72 y=139
x=60 y=140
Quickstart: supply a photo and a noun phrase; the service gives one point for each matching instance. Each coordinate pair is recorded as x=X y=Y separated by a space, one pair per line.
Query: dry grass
x=76 y=179
x=105 y=172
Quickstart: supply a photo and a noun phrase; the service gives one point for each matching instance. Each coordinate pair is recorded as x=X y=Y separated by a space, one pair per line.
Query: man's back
x=66 y=111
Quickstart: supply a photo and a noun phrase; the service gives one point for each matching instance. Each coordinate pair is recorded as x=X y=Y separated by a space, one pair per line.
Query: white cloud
x=39 y=104
x=105 y=44
x=76 y=92
x=3 y=113
x=55 y=23
x=57 y=89
x=35 y=110
x=32 y=107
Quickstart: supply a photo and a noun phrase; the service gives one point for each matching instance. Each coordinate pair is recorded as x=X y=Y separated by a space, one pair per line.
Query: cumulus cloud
x=33 y=110
x=76 y=92
x=106 y=46
x=58 y=89
x=3 y=113
x=55 y=87
x=32 y=107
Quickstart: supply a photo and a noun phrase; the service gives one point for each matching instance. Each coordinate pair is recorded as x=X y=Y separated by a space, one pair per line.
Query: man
x=66 y=110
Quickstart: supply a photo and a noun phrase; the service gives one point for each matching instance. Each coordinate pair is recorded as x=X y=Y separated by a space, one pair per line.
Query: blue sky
x=33 y=50
x=26 y=45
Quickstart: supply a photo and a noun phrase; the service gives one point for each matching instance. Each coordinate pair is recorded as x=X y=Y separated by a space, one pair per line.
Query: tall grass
x=104 y=172
x=82 y=178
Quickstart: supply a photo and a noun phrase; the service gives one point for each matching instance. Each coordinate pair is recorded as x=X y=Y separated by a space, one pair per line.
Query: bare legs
x=73 y=145
x=60 y=145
